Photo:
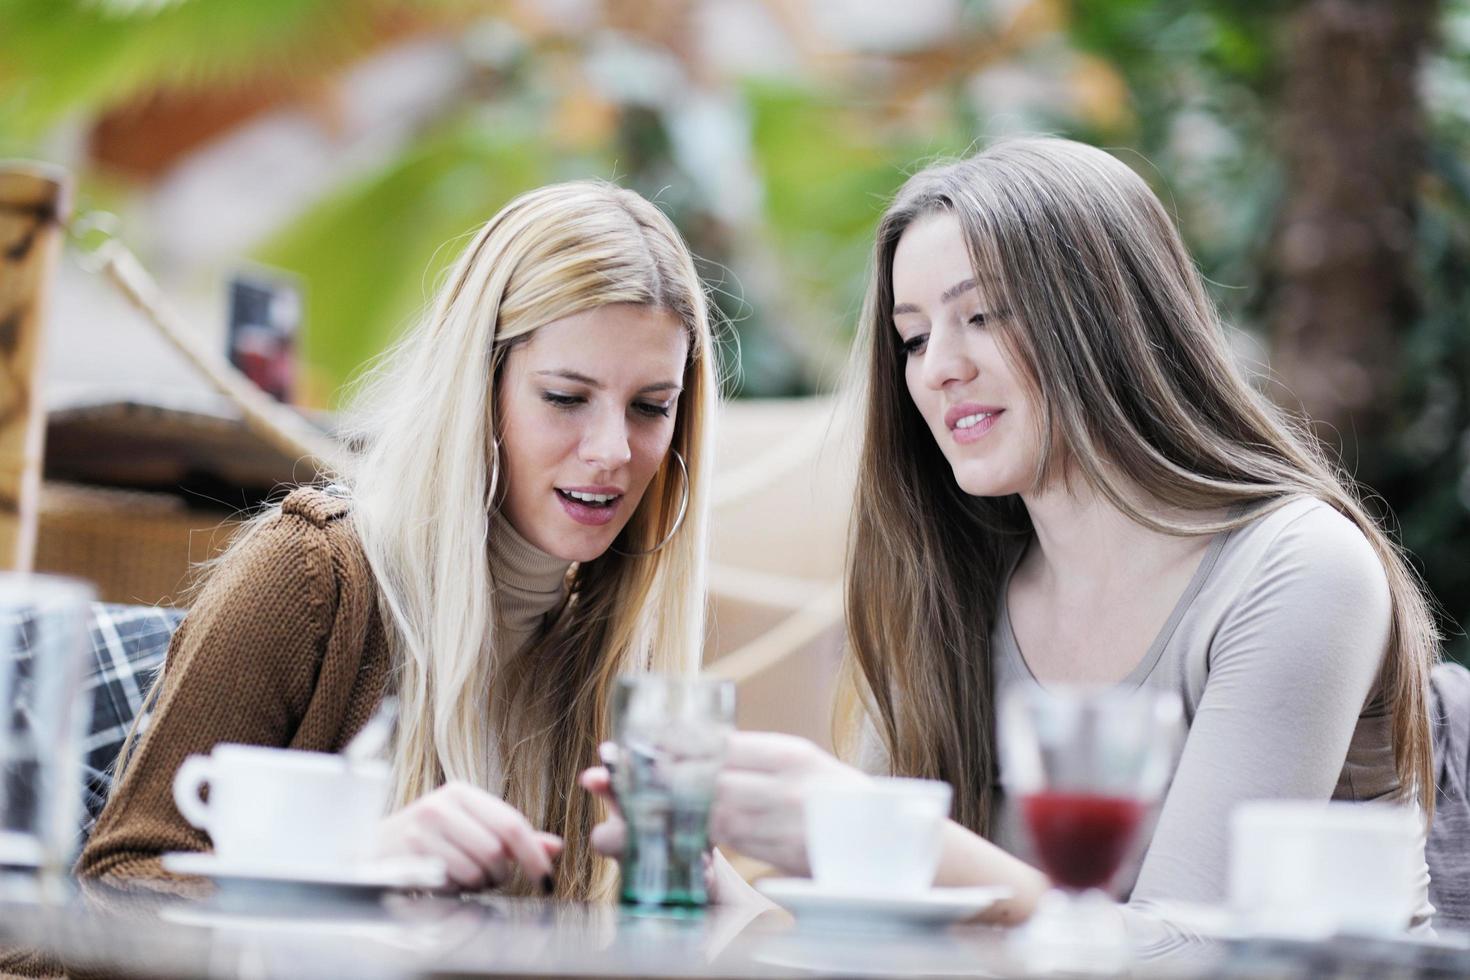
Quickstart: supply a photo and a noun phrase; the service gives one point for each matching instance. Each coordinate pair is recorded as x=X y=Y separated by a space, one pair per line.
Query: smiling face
x=587 y=407
x=964 y=385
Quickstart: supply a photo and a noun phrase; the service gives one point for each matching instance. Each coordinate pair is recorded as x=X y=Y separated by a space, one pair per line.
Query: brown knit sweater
x=284 y=647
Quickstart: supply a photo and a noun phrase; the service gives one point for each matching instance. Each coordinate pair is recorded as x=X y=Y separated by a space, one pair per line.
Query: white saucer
x=390 y=874
x=937 y=906
x=1226 y=923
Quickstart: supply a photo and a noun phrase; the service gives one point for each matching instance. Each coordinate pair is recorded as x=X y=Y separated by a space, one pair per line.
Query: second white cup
x=1317 y=868
x=877 y=837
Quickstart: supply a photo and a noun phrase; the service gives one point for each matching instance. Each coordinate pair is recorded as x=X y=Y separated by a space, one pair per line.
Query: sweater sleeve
x=242 y=667
x=1290 y=669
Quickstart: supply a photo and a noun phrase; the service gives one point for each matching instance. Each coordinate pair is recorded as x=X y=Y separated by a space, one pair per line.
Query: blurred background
x=331 y=156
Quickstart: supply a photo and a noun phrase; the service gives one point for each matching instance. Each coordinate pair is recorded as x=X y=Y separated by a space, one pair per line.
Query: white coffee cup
x=283 y=808
x=1316 y=868
x=875 y=837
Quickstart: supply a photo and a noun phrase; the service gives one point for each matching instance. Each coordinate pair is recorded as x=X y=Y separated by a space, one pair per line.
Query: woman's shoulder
x=306 y=539
x=311 y=517
x=1307 y=551
x=319 y=505
x=1311 y=526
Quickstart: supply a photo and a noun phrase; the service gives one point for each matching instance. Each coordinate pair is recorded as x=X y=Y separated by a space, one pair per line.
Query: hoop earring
x=678 y=521
x=495 y=488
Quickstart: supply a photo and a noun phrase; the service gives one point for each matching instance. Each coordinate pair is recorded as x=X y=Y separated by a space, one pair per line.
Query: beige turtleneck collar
x=528 y=584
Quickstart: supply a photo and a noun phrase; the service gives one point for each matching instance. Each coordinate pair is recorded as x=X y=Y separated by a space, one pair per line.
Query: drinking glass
x=1086 y=767
x=43 y=657
x=670 y=733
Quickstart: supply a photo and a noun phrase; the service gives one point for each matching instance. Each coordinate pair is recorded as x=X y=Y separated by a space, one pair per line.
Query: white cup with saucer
x=279 y=809
x=875 y=836
x=874 y=847
x=1312 y=868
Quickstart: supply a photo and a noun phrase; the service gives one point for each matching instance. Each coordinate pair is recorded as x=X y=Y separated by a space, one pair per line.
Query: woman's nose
x=945 y=358
x=605 y=444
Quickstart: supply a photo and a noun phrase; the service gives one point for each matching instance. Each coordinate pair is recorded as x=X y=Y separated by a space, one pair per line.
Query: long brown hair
x=1114 y=332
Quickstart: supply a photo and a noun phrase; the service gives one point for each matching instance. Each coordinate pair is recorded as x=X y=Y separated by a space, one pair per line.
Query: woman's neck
x=528 y=582
x=1086 y=545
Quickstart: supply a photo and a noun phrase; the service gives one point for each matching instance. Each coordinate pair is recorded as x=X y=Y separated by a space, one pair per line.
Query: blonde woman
x=526 y=520
x=1065 y=479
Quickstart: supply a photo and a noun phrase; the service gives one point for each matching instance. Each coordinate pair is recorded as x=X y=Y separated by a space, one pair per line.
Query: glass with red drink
x=1085 y=767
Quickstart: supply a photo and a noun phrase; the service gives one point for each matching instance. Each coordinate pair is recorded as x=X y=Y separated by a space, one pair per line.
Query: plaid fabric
x=128 y=647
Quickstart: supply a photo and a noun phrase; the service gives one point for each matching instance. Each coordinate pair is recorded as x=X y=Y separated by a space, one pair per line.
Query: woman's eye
x=652 y=410
x=979 y=320
x=560 y=400
x=915 y=345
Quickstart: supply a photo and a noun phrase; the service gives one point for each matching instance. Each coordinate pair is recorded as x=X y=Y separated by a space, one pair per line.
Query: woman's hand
x=758 y=796
x=609 y=836
x=722 y=882
x=480 y=837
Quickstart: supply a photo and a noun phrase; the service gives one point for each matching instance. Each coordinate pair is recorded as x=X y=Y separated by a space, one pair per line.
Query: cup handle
x=191 y=777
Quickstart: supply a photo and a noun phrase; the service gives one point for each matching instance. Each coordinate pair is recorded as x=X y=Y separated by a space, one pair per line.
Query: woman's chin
x=583 y=544
x=986 y=482
x=581 y=551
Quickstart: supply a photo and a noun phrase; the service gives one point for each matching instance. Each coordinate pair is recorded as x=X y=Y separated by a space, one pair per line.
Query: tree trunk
x=1352 y=141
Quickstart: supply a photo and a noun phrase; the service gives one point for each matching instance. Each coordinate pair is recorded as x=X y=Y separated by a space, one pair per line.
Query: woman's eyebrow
x=948 y=296
x=954 y=291
x=567 y=375
x=580 y=378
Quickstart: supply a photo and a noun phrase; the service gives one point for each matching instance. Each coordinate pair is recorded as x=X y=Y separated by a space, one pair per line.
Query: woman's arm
x=758 y=812
x=242 y=667
x=1290 y=669
x=969 y=859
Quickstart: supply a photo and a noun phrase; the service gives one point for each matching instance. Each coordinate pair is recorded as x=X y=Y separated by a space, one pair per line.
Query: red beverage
x=1081 y=838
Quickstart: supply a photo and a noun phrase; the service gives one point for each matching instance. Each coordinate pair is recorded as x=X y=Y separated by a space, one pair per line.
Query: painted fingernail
x=547 y=885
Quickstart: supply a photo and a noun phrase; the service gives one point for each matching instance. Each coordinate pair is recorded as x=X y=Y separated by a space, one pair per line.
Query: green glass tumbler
x=670 y=732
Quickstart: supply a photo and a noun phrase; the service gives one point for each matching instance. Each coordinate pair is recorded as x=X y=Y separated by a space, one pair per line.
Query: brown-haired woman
x=1064 y=479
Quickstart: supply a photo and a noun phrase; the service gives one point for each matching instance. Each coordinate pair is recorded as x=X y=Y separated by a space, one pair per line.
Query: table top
x=306 y=934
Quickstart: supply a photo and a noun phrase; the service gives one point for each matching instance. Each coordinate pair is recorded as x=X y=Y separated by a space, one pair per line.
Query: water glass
x=43 y=660
x=670 y=732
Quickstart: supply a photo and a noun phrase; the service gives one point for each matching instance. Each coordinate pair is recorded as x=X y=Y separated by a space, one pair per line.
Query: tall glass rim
x=17 y=587
x=704 y=679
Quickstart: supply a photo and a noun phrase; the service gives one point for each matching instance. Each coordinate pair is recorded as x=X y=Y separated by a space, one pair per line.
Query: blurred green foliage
x=62 y=56
x=356 y=248
x=1204 y=84
x=1200 y=86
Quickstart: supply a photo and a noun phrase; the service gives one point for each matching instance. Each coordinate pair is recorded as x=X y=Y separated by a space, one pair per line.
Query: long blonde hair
x=1114 y=332
x=425 y=486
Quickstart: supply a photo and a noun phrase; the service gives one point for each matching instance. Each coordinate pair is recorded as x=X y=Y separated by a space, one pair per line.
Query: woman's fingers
x=479 y=837
x=474 y=839
x=610 y=837
x=597 y=781
x=770 y=752
x=756 y=793
x=463 y=870
x=513 y=830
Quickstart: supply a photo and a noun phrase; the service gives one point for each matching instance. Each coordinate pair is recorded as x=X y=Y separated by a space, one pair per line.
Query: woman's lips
x=593 y=515
x=972 y=423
